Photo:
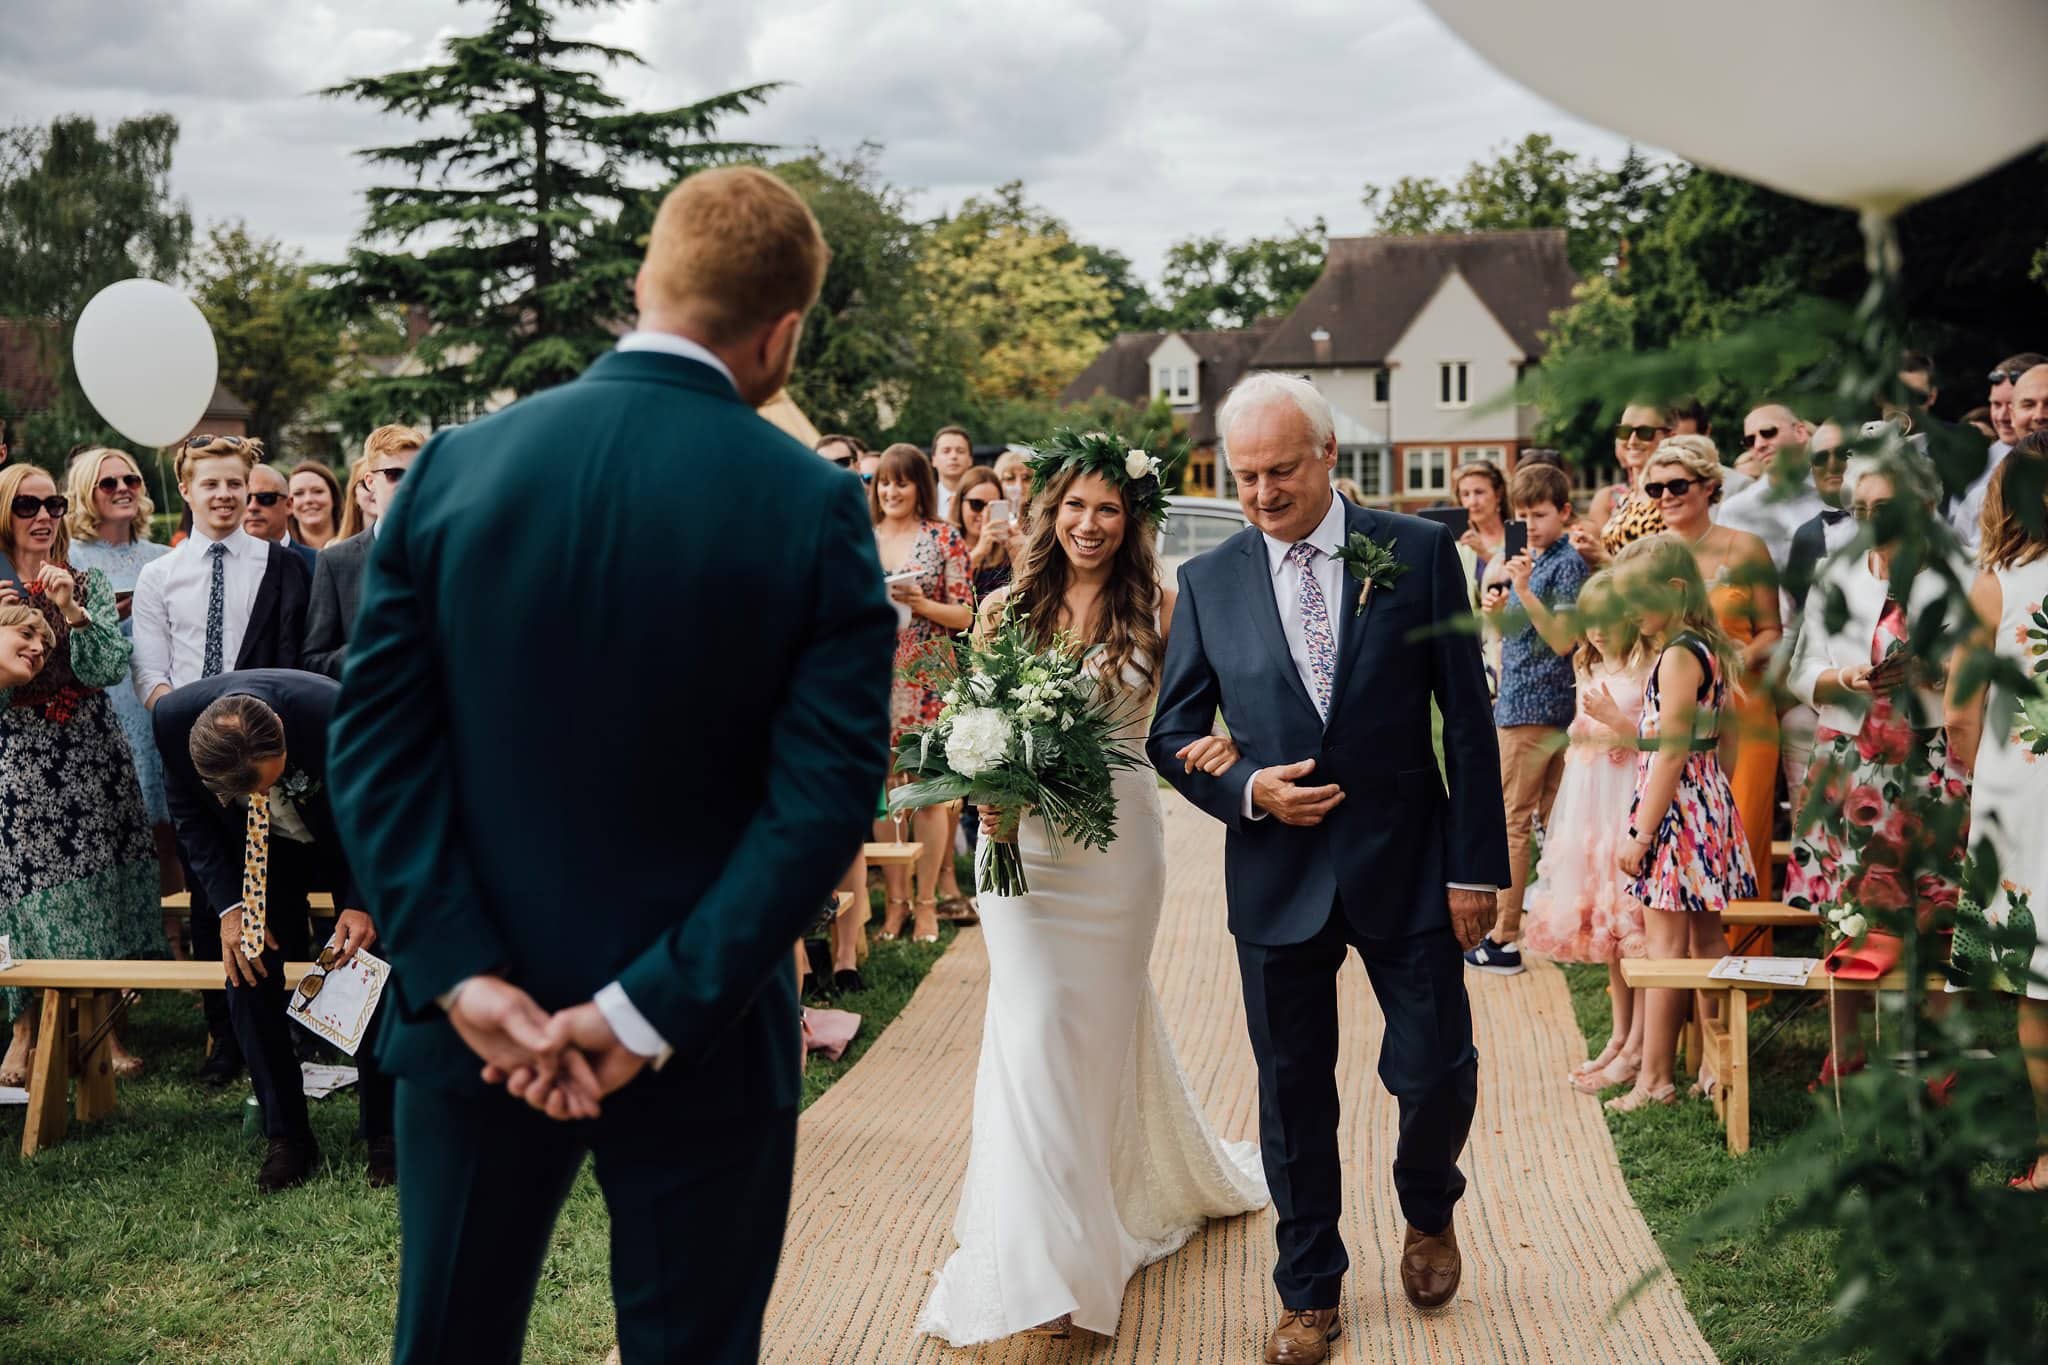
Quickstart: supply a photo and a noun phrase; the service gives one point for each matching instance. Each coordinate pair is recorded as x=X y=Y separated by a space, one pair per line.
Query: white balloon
x=145 y=357
x=1871 y=104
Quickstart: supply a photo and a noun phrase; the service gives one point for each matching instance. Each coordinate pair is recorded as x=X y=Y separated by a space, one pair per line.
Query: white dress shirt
x=1328 y=538
x=668 y=343
x=1966 y=515
x=169 y=611
x=1771 y=516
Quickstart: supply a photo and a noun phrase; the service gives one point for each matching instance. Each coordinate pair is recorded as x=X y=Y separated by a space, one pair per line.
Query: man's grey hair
x=1265 y=388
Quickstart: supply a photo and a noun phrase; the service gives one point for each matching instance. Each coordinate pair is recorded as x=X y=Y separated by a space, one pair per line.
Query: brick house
x=1408 y=337
x=1190 y=370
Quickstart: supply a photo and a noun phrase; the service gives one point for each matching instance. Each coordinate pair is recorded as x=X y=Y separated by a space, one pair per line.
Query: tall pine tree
x=517 y=233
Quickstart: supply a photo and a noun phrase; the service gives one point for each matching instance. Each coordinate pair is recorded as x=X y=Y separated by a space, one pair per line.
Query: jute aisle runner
x=1551 y=1238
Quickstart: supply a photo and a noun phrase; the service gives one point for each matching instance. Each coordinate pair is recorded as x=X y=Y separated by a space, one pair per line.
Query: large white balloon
x=1871 y=104
x=145 y=357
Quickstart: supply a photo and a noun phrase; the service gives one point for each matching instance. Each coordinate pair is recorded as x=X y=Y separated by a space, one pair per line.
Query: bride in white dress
x=1091 y=1157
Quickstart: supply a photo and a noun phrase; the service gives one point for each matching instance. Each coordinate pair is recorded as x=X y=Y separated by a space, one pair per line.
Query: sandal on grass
x=1640 y=1098
x=1602 y=1062
x=1620 y=1071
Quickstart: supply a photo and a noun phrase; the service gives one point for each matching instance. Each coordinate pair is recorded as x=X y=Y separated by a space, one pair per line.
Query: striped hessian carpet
x=1550 y=1237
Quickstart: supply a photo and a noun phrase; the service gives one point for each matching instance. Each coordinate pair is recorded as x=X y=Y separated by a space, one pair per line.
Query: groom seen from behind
x=1341 y=834
x=539 y=832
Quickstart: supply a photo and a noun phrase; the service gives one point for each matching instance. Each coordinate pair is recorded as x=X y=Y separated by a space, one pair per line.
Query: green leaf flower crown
x=1111 y=457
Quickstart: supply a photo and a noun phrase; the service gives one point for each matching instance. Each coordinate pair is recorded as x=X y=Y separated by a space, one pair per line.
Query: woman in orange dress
x=1683 y=478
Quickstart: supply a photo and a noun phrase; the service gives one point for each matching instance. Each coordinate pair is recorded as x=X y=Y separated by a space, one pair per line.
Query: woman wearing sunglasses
x=1622 y=513
x=1682 y=481
x=78 y=874
x=992 y=543
x=110 y=523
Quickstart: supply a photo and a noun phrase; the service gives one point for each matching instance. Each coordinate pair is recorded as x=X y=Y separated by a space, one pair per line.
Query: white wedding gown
x=1090 y=1157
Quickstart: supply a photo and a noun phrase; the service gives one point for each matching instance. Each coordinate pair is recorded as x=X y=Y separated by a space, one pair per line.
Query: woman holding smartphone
x=987 y=522
x=925 y=561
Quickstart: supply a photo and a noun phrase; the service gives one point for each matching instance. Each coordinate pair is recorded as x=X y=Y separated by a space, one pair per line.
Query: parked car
x=1194 y=525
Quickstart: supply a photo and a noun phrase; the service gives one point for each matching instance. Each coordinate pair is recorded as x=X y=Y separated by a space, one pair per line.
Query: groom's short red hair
x=734 y=249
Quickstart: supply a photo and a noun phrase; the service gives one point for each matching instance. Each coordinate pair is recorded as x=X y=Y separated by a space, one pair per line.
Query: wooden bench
x=81 y=1001
x=1724 y=1042
x=322 y=903
x=893 y=855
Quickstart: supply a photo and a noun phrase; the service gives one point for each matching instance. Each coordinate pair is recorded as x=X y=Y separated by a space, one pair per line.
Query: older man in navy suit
x=1341 y=832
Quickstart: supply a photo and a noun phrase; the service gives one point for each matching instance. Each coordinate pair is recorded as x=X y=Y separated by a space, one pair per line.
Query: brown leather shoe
x=1303 y=1336
x=1431 y=1267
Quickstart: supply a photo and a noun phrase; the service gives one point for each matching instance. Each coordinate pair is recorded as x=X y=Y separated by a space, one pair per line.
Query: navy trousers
x=1427 y=1062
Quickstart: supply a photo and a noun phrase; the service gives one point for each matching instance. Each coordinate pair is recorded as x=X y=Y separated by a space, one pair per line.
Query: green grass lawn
x=142 y=1237
x=1756 y=1300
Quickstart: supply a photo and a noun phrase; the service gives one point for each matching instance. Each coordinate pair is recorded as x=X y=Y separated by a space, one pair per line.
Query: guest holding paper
x=929 y=568
x=78 y=876
x=246 y=767
x=1880 y=752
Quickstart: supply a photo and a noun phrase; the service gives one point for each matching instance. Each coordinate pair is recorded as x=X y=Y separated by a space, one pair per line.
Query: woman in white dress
x=1091 y=1157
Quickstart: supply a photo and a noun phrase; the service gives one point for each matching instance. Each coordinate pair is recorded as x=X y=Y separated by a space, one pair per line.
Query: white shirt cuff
x=1469 y=886
x=446 y=999
x=631 y=1025
x=1252 y=812
x=231 y=909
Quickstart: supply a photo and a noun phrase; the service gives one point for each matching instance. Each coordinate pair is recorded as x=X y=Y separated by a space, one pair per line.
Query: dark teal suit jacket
x=615 y=708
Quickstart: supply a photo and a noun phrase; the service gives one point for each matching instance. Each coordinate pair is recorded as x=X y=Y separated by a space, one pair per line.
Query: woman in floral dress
x=1881 y=759
x=2011 y=791
x=934 y=595
x=78 y=874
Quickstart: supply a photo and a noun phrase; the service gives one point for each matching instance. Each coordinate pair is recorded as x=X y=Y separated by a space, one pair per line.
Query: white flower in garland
x=979 y=739
x=1138 y=465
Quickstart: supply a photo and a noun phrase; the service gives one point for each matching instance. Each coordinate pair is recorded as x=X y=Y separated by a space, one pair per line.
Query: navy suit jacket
x=1386 y=852
x=210 y=831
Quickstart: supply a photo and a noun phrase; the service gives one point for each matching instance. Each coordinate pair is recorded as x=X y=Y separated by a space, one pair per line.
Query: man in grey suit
x=338 y=572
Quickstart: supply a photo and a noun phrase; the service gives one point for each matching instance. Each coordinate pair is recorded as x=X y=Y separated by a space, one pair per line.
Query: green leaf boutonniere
x=1372 y=563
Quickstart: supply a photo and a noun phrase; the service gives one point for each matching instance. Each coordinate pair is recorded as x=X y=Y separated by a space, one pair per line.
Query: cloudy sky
x=1138 y=121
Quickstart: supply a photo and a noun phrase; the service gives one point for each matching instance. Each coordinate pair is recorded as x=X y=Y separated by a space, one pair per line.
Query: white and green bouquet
x=1022 y=728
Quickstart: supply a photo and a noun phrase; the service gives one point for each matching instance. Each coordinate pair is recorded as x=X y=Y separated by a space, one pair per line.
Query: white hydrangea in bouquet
x=1021 y=728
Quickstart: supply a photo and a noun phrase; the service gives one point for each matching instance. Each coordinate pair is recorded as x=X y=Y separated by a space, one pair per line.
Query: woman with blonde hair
x=109 y=526
x=357 y=512
x=1621 y=515
x=1014 y=473
x=78 y=877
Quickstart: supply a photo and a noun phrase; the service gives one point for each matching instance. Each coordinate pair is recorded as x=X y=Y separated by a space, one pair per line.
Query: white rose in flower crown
x=979 y=739
x=1138 y=465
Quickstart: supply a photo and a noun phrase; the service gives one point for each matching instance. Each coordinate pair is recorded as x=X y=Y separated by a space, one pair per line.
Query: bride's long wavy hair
x=1126 y=622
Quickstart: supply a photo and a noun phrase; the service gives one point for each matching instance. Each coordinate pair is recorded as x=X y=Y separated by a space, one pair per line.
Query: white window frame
x=1454 y=384
x=1183 y=384
x=1497 y=455
x=1356 y=462
x=1162 y=382
x=1432 y=464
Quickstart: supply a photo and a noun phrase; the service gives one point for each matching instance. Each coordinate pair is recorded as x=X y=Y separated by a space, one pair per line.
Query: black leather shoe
x=383 y=1166
x=223 y=1067
x=847 y=982
x=289 y=1162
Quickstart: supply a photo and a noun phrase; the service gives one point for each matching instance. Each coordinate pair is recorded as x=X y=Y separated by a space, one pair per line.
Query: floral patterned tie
x=216 y=612
x=255 y=875
x=1315 y=627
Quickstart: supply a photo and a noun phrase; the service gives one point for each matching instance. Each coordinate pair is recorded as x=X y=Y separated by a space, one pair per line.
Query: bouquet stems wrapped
x=1023 y=728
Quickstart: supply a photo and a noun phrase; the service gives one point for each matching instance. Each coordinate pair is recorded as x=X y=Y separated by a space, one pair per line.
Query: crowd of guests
x=101 y=624
x=1693 y=658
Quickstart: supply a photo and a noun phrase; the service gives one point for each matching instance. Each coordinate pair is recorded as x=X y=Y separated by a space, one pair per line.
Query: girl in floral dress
x=1580 y=908
x=1683 y=848
x=1991 y=947
x=1881 y=757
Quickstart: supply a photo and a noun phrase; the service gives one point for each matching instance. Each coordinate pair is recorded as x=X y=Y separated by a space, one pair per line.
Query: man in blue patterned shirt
x=1538 y=694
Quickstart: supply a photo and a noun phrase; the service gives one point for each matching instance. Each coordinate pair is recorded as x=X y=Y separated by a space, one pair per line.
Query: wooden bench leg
x=1735 y=1080
x=96 y=1072
x=49 y=1083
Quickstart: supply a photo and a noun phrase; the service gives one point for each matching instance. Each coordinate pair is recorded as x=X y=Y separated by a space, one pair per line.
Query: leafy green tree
x=1131 y=305
x=277 y=350
x=1412 y=206
x=1212 y=282
x=79 y=210
x=516 y=220
x=1012 y=282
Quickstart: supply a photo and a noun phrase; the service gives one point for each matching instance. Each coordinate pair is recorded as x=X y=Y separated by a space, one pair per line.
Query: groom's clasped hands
x=562 y=1064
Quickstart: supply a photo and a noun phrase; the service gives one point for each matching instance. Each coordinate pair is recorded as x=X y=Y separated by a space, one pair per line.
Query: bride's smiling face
x=1091 y=522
